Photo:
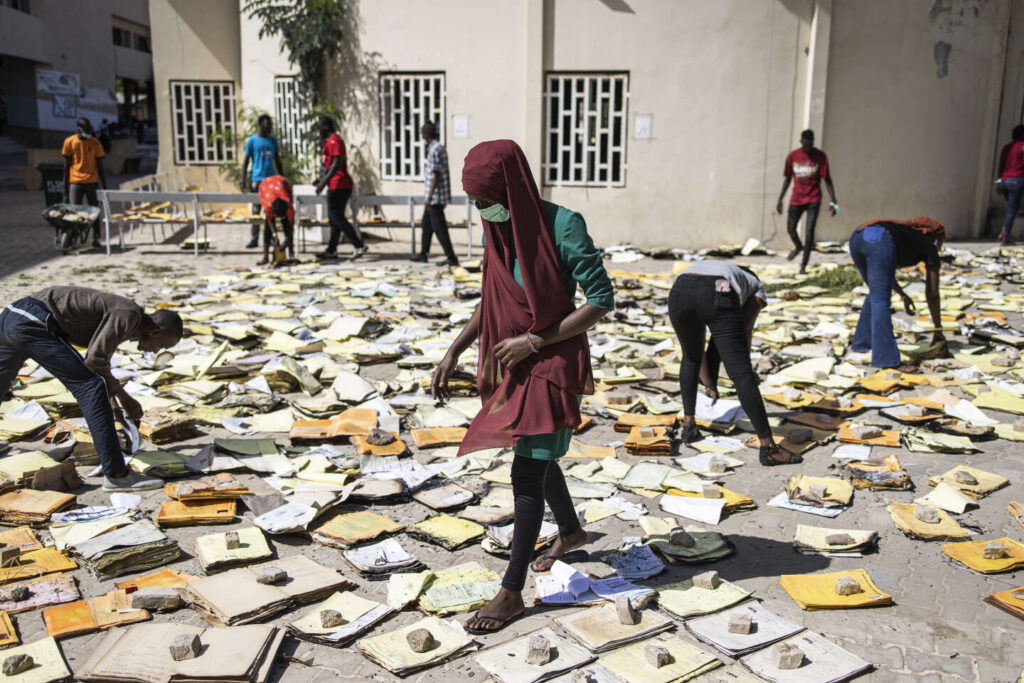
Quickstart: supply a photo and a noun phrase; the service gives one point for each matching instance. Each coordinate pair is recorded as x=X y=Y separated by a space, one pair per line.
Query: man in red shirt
x=277 y=202
x=1011 y=181
x=335 y=178
x=805 y=167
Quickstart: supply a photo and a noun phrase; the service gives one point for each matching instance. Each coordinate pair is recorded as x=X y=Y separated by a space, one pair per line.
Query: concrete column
x=995 y=82
x=817 y=68
x=533 y=84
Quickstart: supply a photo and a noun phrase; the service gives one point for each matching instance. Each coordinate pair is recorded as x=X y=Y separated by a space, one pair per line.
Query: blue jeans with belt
x=874 y=255
x=1014 y=189
x=27 y=330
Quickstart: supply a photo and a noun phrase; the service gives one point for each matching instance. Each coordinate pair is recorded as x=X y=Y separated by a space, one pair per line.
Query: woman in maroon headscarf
x=534 y=362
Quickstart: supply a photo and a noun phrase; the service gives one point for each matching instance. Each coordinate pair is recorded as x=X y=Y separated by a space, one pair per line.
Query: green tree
x=309 y=30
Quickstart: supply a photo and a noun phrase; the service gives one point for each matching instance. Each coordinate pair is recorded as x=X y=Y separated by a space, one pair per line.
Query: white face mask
x=495 y=213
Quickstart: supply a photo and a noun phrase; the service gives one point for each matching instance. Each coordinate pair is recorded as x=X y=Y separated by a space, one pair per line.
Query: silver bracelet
x=529 y=342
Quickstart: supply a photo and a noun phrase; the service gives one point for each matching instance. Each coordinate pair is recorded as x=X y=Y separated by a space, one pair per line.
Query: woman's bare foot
x=561 y=546
x=503 y=608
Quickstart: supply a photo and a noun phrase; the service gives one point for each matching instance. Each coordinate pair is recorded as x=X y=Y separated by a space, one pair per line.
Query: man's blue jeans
x=874 y=254
x=1014 y=189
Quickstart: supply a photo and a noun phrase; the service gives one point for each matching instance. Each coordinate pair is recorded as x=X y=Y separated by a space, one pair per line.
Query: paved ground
x=937 y=629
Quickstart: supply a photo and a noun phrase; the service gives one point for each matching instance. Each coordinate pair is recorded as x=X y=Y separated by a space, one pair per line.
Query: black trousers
x=694 y=304
x=336 y=201
x=533 y=483
x=27 y=330
x=256 y=209
x=793 y=219
x=286 y=226
x=85 y=193
x=434 y=223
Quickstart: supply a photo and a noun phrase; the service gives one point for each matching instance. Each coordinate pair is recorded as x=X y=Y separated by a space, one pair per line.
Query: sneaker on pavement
x=327 y=255
x=418 y=258
x=133 y=481
x=252 y=244
x=792 y=255
x=359 y=252
x=448 y=262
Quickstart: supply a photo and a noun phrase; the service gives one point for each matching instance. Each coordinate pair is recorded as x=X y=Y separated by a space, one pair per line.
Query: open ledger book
x=563 y=585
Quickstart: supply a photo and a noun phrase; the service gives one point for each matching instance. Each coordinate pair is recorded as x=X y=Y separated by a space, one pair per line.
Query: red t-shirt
x=335 y=147
x=807 y=169
x=1014 y=167
x=273 y=188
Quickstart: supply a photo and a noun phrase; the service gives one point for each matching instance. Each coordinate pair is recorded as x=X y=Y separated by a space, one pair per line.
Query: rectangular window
x=407 y=101
x=290 y=112
x=140 y=42
x=20 y=5
x=585 y=129
x=122 y=37
x=199 y=110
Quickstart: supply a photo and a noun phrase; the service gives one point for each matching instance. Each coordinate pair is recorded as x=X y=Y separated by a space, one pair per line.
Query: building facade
x=61 y=60
x=665 y=122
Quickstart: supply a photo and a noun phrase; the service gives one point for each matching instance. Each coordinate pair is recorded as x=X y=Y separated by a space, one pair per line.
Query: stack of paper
x=766 y=628
x=984 y=482
x=358 y=615
x=648 y=441
x=459 y=589
x=1010 y=601
x=451 y=533
x=946 y=529
x=243 y=654
x=508 y=662
x=635 y=562
x=37 y=470
x=223 y=486
x=811 y=540
x=563 y=585
x=886 y=473
x=52 y=589
x=37 y=563
x=687 y=661
x=971 y=554
x=214 y=555
x=379 y=560
x=825 y=492
x=354 y=421
x=499 y=538
x=599 y=629
x=392 y=651
x=348 y=529
x=49 y=662
x=26 y=506
x=823 y=662
x=236 y=597
x=85 y=616
x=818 y=591
x=177 y=513
x=708 y=545
x=685 y=600
x=443 y=496
x=133 y=548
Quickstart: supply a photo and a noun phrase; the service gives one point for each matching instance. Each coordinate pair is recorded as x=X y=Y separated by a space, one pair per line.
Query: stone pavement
x=937 y=629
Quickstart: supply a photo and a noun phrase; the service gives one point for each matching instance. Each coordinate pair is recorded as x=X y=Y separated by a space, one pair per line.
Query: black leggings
x=533 y=482
x=336 y=201
x=693 y=305
x=795 y=211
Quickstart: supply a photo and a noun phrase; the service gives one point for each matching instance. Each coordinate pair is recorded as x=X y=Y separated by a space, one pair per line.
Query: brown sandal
x=776 y=455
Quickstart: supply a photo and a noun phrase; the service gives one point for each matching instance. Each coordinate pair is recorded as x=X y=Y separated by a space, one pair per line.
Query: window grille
x=290 y=112
x=585 y=129
x=199 y=109
x=407 y=101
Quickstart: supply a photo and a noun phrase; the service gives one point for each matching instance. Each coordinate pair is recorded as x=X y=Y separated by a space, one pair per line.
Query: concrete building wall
x=193 y=40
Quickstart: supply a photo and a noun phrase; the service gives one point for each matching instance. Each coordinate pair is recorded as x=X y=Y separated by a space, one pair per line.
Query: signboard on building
x=58 y=82
x=65 y=106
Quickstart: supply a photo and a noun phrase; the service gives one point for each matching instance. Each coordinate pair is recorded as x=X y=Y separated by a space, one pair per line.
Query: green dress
x=581 y=264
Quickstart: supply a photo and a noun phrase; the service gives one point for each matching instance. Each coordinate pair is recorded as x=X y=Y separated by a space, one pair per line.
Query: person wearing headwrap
x=878 y=248
x=534 y=358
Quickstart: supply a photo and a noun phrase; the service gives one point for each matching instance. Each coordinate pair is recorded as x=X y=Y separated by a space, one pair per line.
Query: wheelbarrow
x=72 y=222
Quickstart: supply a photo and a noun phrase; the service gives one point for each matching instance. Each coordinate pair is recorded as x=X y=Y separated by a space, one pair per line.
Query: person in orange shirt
x=277 y=202
x=83 y=169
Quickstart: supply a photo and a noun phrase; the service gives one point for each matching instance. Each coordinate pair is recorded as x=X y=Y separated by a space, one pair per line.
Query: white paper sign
x=460 y=126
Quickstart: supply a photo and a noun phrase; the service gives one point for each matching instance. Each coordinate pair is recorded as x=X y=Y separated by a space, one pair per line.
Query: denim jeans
x=1014 y=189
x=874 y=254
x=27 y=331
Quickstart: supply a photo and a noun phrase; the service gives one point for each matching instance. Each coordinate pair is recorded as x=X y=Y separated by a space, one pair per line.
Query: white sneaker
x=133 y=481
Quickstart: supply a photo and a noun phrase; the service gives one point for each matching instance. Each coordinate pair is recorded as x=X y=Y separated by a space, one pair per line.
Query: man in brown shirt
x=45 y=325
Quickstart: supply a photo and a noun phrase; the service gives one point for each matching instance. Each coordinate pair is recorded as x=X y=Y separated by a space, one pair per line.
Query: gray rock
x=865 y=431
x=16 y=664
x=717 y=465
x=538 y=652
x=707 y=580
x=379 y=437
x=185 y=646
x=741 y=622
x=329 y=618
x=927 y=514
x=19 y=593
x=847 y=585
x=231 y=541
x=965 y=477
x=839 y=539
x=799 y=435
x=421 y=640
x=657 y=656
x=681 y=538
x=711 y=491
x=624 y=608
x=994 y=551
x=787 y=656
x=153 y=598
x=271 y=575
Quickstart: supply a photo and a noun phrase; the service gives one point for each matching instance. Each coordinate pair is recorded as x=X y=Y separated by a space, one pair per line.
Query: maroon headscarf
x=537 y=396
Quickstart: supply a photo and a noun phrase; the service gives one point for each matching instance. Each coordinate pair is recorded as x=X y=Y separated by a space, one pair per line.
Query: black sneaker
x=418 y=258
x=359 y=253
x=448 y=262
x=793 y=254
x=327 y=255
x=252 y=244
x=690 y=433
